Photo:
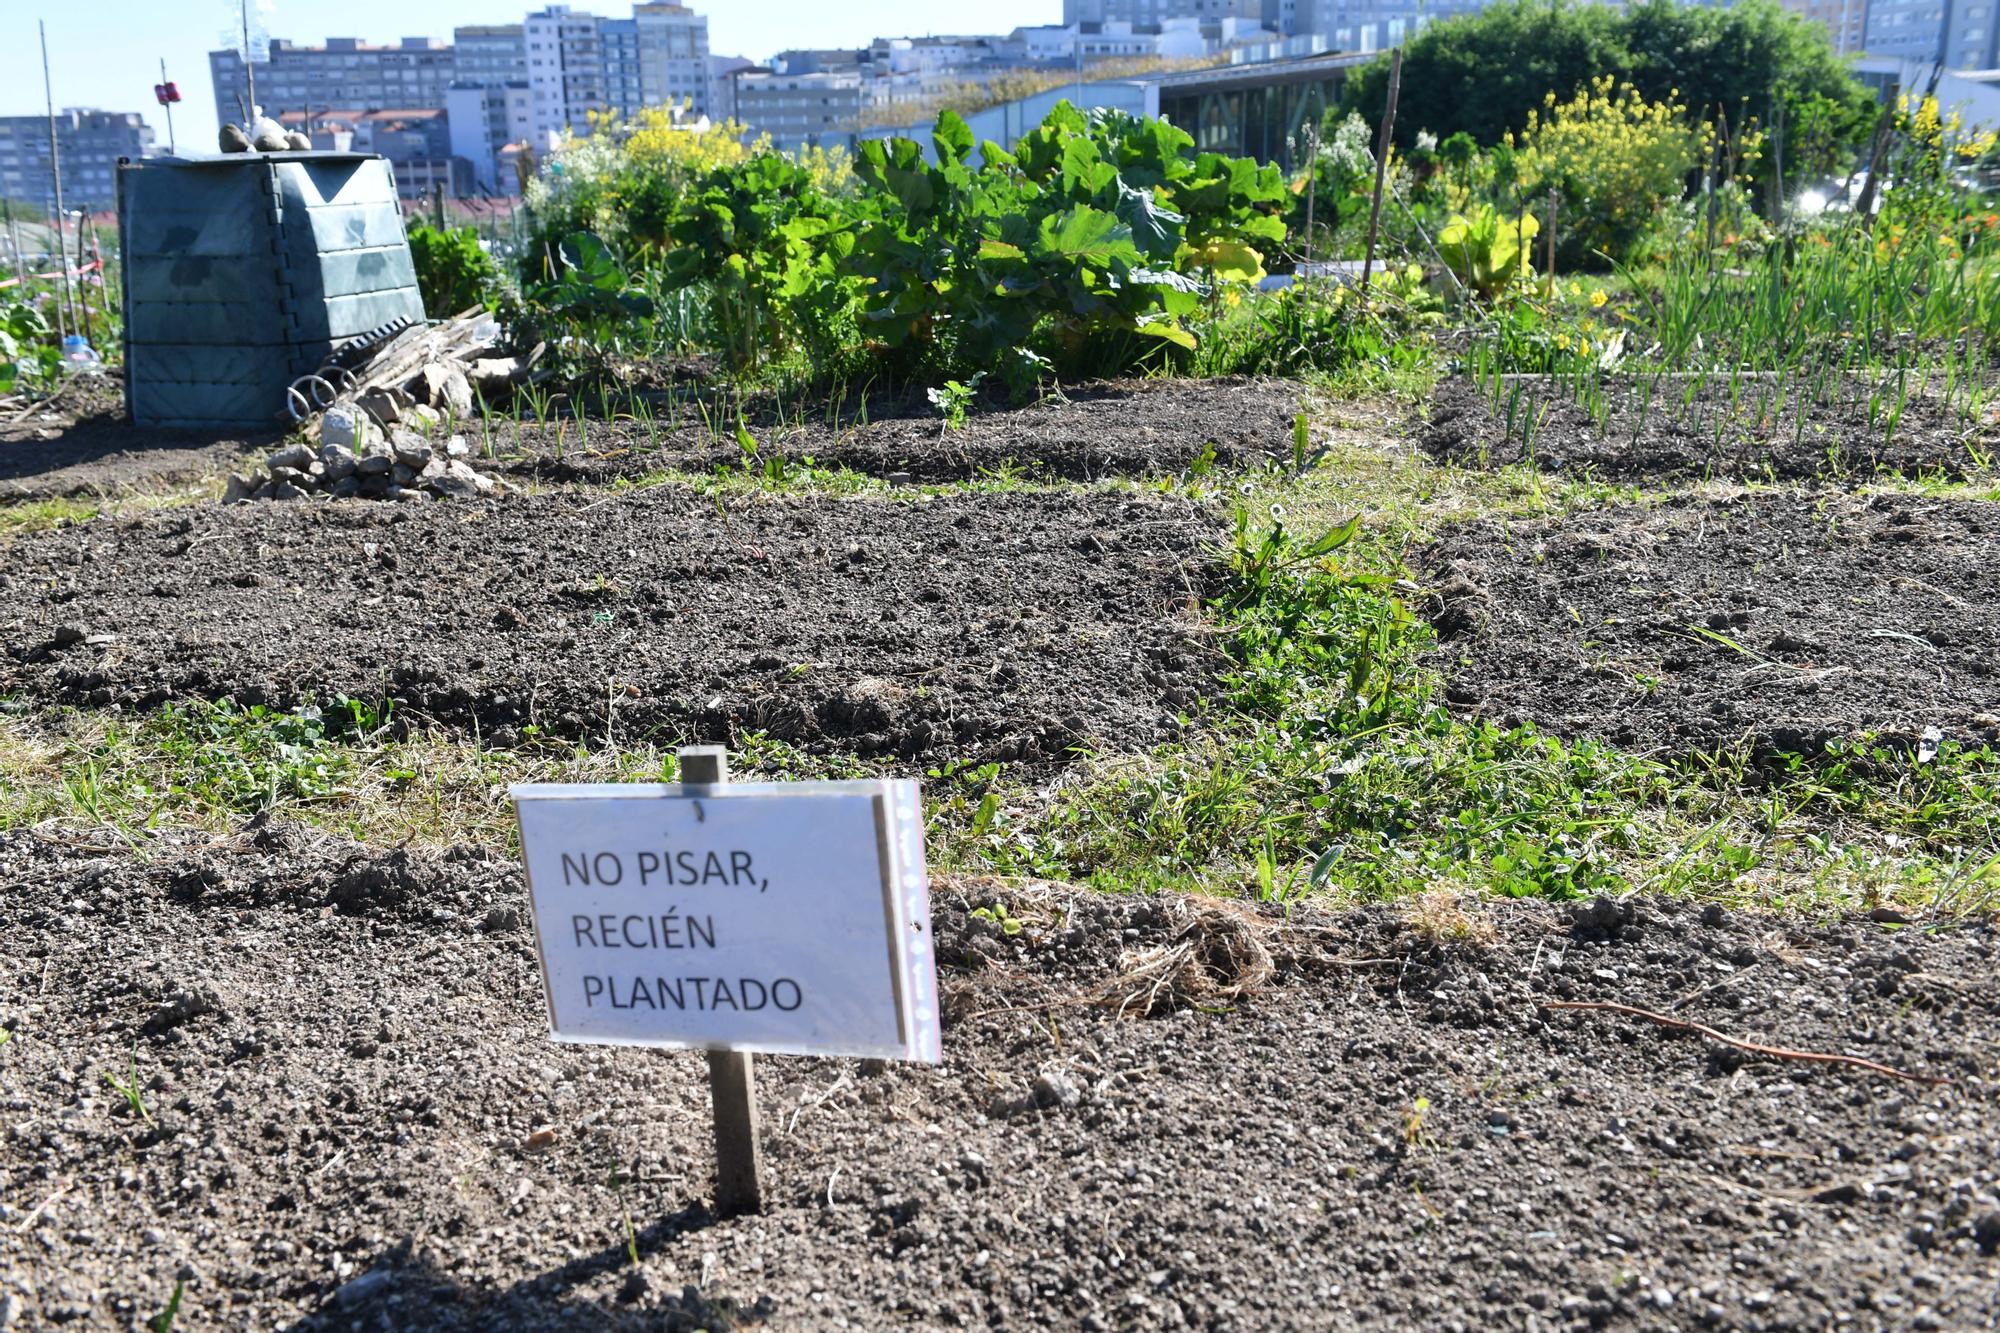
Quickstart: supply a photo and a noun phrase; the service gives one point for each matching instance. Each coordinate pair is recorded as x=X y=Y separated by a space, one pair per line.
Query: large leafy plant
x=1487 y=249
x=1090 y=226
x=587 y=305
x=28 y=351
x=768 y=241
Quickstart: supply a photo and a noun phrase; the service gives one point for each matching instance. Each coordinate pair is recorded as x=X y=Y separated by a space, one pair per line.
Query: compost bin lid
x=234 y=159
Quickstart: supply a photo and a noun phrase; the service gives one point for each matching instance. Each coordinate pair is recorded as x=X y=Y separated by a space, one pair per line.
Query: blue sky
x=106 y=53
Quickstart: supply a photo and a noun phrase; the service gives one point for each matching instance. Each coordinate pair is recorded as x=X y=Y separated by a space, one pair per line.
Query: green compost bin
x=242 y=272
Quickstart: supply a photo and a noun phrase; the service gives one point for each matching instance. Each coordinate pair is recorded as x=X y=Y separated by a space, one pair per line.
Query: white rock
x=462 y=481
x=348 y=428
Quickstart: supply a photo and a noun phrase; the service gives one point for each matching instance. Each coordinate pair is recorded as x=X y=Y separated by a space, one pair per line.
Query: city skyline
x=118 y=74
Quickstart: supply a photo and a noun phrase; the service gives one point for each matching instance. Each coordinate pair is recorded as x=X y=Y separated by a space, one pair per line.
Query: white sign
x=786 y=917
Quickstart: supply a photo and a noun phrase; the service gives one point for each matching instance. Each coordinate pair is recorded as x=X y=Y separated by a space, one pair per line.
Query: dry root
x=1440 y=915
x=1217 y=956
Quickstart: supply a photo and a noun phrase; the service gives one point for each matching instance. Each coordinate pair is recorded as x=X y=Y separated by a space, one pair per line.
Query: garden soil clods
x=1781 y=621
x=357 y=1120
x=1007 y=626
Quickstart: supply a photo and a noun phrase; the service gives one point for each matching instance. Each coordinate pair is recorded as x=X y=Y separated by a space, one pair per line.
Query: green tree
x=1482 y=74
x=1735 y=63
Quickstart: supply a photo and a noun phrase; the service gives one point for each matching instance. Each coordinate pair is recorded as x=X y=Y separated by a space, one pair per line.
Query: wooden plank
x=732 y=1079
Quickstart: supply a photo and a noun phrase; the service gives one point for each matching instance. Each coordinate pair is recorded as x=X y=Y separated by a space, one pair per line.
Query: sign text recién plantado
x=785 y=917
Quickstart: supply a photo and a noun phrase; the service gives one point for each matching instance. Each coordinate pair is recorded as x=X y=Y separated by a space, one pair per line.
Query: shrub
x=28 y=350
x=453 y=269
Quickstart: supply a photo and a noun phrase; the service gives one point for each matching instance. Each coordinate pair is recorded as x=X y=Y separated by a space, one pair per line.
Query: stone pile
x=387 y=446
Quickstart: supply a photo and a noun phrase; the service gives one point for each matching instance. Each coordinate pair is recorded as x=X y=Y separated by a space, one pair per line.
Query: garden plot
x=345 y=1113
x=1126 y=428
x=1779 y=620
x=1008 y=626
x=1754 y=436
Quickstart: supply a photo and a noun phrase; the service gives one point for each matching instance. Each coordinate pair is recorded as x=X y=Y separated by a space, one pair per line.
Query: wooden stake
x=249 y=74
x=1552 y=241
x=732 y=1079
x=1312 y=183
x=13 y=234
x=1382 y=162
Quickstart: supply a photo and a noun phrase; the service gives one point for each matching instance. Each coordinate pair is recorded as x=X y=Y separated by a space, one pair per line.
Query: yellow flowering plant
x=1614 y=159
x=1927 y=206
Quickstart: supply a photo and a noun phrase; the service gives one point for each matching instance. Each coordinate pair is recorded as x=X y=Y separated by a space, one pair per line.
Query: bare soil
x=1780 y=621
x=1125 y=428
x=1758 y=438
x=1007 y=626
x=357 y=1120
x=80 y=443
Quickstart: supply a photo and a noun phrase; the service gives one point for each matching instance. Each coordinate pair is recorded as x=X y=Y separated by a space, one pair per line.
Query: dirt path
x=1780 y=620
x=986 y=626
x=360 y=1122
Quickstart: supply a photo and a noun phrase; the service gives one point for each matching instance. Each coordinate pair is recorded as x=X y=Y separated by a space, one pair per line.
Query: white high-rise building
x=565 y=72
x=673 y=57
x=581 y=63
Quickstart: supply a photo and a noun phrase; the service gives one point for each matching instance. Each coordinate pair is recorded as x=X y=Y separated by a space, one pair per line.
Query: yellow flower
x=1576 y=289
x=1597 y=299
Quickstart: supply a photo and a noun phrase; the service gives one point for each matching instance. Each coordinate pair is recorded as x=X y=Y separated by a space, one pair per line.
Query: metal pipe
x=55 y=170
x=171 y=148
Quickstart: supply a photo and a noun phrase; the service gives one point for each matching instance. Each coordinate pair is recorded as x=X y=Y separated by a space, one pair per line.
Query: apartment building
x=1845 y=21
x=90 y=143
x=488 y=102
x=581 y=63
x=1143 y=12
x=673 y=58
x=801 y=110
x=1959 y=34
x=488 y=55
x=344 y=72
x=565 y=71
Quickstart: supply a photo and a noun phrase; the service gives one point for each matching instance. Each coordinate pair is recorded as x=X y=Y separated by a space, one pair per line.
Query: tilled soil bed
x=1125 y=428
x=1780 y=621
x=1010 y=627
x=1320 y=1120
x=1666 y=440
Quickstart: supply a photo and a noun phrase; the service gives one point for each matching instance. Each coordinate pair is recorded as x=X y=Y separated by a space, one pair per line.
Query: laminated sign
x=787 y=917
